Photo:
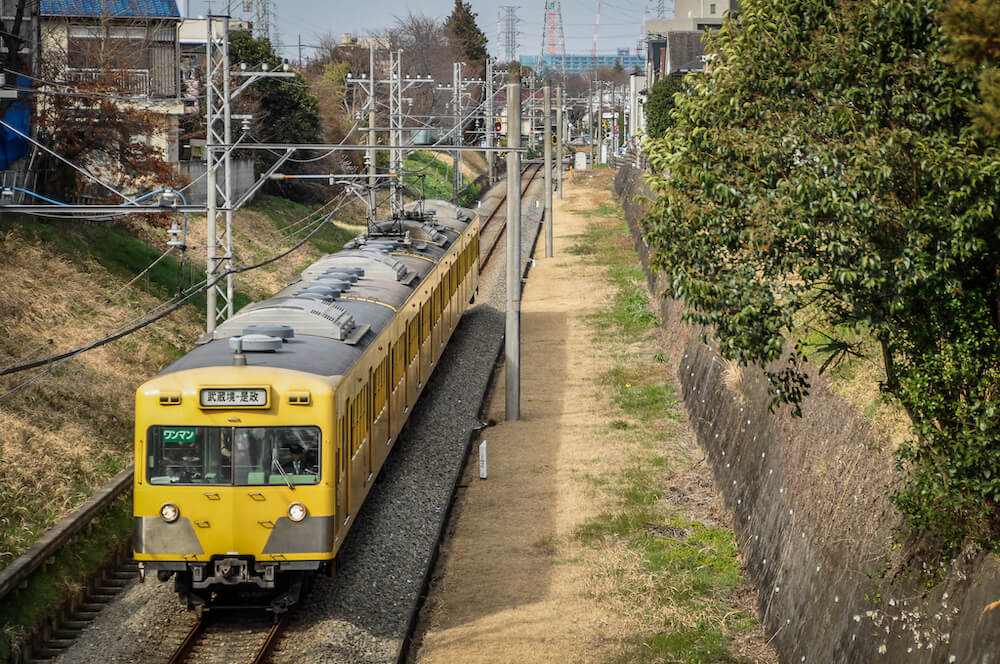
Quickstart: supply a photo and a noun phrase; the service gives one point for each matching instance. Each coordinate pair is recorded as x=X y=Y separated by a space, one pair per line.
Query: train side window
x=342 y=447
x=425 y=321
x=354 y=426
x=364 y=400
x=381 y=385
x=413 y=342
x=398 y=359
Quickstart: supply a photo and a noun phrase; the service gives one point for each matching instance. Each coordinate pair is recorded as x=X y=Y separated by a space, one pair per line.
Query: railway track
x=238 y=636
x=229 y=638
x=495 y=224
x=232 y=638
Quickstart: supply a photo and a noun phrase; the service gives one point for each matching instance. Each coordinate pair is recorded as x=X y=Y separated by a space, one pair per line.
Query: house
x=674 y=45
x=15 y=176
x=130 y=46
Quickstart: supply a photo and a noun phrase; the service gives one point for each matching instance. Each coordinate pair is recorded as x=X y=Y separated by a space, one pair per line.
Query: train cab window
x=241 y=456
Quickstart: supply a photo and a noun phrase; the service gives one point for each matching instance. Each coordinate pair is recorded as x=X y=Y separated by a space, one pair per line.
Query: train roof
x=340 y=303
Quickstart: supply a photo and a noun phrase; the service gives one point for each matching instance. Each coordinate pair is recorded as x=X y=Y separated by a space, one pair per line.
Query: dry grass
x=591 y=538
x=67 y=432
x=732 y=376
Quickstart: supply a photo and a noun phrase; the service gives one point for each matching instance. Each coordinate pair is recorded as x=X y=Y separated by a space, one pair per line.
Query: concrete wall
x=194 y=171
x=811 y=506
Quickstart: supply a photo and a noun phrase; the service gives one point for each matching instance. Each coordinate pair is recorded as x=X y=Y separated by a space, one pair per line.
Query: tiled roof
x=111 y=8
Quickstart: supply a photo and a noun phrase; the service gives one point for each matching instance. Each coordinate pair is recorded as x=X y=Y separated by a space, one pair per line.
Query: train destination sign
x=226 y=397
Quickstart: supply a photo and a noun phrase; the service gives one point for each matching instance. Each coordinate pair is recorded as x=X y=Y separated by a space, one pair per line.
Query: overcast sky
x=620 y=20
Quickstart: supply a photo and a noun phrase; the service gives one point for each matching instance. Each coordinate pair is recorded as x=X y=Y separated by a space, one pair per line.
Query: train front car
x=255 y=450
x=232 y=482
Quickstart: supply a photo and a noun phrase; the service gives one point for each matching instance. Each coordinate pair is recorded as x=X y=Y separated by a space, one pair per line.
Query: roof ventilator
x=343 y=275
x=273 y=330
x=329 y=282
x=344 y=327
x=252 y=343
x=321 y=293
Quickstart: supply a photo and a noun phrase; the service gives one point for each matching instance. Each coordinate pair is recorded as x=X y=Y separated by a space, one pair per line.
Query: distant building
x=131 y=45
x=674 y=45
x=577 y=63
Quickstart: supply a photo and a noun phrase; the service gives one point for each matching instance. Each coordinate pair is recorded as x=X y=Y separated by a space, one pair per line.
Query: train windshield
x=240 y=456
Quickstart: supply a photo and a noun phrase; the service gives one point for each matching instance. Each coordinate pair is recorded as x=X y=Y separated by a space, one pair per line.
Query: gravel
x=362 y=615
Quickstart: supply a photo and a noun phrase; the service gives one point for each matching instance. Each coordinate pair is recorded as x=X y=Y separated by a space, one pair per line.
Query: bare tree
x=102 y=116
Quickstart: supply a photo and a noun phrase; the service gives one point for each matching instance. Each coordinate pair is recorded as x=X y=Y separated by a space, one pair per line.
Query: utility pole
x=371 y=128
x=560 y=137
x=547 y=137
x=458 y=91
x=219 y=96
x=590 y=119
x=456 y=74
x=531 y=111
x=512 y=333
x=490 y=135
x=395 y=130
x=217 y=62
x=600 y=126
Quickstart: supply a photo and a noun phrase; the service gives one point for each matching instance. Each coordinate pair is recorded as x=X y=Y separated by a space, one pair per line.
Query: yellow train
x=255 y=451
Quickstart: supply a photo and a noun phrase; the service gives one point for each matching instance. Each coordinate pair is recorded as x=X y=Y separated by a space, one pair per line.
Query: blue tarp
x=13 y=146
x=122 y=8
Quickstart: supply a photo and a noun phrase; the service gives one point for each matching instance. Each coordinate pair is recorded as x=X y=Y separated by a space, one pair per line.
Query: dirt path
x=514 y=583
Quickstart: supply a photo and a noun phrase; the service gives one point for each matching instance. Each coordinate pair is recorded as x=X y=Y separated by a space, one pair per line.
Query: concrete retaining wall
x=197 y=193
x=810 y=498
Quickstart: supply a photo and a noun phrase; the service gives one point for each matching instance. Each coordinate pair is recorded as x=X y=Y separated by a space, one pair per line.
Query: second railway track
x=495 y=224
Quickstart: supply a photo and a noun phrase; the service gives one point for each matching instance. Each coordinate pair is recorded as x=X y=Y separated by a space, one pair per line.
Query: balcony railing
x=127 y=81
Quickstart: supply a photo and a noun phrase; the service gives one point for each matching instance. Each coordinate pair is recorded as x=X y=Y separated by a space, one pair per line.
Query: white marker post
x=482 y=460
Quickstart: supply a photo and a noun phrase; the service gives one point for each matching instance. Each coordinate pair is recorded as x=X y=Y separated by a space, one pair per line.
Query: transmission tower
x=510 y=22
x=262 y=12
x=659 y=8
x=553 y=40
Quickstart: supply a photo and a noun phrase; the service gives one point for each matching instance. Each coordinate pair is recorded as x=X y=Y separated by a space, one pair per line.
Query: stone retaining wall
x=810 y=499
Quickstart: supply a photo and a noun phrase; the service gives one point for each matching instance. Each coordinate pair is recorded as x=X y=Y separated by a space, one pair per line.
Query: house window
x=711 y=8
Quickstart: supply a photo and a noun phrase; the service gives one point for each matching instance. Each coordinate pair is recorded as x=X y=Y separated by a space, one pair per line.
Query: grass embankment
x=427 y=173
x=673 y=577
x=66 y=428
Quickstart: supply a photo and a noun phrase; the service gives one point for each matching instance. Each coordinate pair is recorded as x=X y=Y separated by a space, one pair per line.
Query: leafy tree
x=286 y=111
x=661 y=101
x=821 y=183
x=465 y=35
x=974 y=28
x=283 y=109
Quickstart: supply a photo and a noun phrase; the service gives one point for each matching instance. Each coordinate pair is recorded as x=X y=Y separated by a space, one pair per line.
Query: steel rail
x=270 y=639
x=184 y=649
x=197 y=632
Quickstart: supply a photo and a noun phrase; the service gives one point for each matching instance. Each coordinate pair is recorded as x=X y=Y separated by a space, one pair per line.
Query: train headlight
x=169 y=512
x=297 y=512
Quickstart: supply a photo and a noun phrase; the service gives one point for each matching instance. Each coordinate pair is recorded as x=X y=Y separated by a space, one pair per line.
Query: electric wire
x=58 y=156
x=183 y=299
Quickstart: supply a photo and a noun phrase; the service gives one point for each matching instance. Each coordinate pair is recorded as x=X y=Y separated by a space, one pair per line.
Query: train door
x=412 y=360
x=397 y=385
x=359 y=456
x=426 y=342
x=340 y=473
x=437 y=325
